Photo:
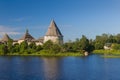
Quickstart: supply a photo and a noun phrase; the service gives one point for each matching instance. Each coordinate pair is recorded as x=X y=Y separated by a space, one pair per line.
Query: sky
x=73 y=17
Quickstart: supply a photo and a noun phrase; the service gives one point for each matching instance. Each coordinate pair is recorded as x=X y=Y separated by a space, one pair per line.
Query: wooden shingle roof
x=27 y=36
x=53 y=30
x=5 y=38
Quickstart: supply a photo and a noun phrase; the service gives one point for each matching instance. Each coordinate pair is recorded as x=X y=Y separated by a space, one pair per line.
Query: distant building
x=5 y=39
x=26 y=37
x=39 y=41
x=53 y=33
x=107 y=46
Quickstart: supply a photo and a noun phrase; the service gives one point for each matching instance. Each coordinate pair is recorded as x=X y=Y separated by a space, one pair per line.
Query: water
x=93 y=67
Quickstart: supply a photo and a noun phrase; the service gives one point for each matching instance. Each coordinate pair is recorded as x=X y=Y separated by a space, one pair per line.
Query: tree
x=117 y=37
x=111 y=39
x=47 y=45
x=32 y=45
x=4 y=49
x=116 y=46
x=23 y=46
x=55 y=48
x=98 y=45
x=10 y=45
x=91 y=46
x=67 y=47
x=51 y=47
x=84 y=43
x=16 y=48
x=100 y=41
x=39 y=47
x=76 y=45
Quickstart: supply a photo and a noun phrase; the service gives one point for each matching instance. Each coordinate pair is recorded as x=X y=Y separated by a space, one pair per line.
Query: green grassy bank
x=46 y=54
x=108 y=53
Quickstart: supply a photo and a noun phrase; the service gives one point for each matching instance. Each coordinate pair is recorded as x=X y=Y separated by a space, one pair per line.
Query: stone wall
x=54 y=39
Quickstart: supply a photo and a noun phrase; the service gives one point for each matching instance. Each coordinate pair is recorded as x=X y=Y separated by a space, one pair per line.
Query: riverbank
x=47 y=54
x=108 y=53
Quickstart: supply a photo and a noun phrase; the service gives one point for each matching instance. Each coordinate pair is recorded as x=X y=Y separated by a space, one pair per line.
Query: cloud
x=8 y=30
x=10 y=33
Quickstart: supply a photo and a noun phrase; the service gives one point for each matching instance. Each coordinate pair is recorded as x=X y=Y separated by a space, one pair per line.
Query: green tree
x=98 y=45
x=91 y=46
x=24 y=46
x=100 y=41
x=116 y=46
x=84 y=43
x=16 y=48
x=76 y=45
x=39 y=48
x=32 y=45
x=51 y=47
x=111 y=39
x=67 y=47
x=117 y=37
x=56 y=48
x=10 y=45
x=4 y=49
x=47 y=45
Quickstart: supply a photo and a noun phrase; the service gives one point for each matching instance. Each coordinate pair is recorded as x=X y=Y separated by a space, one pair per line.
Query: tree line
x=79 y=45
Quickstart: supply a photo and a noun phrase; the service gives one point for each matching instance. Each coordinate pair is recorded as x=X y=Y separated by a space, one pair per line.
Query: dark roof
x=53 y=30
x=27 y=36
x=5 y=38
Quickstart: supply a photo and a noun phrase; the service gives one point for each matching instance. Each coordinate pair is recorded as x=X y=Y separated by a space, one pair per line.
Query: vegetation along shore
x=70 y=48
x=52 y=44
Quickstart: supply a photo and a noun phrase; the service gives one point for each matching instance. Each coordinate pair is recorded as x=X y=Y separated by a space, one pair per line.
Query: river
x=92 y=67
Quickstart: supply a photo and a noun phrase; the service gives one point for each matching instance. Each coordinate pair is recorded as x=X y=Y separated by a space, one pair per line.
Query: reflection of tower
x=50 y=68
x=54 y=34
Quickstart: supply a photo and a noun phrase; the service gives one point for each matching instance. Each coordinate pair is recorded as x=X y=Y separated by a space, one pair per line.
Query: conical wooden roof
x=53 y=30
x=27 y=36
x=5 y=38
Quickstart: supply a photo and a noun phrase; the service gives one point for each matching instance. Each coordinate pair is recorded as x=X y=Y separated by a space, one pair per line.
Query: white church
x=53 y=33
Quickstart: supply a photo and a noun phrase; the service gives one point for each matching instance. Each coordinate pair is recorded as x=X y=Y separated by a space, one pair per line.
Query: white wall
x=54 y=39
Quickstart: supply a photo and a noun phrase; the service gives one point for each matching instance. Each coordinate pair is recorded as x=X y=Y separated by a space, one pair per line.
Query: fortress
x=53 y=33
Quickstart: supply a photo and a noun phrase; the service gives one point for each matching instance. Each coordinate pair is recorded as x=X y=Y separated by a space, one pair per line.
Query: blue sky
x=74 y=17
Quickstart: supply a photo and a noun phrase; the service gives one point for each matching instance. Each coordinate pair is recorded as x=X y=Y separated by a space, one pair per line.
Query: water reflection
x=64 y=68
x=20 y=68
x=51 y=68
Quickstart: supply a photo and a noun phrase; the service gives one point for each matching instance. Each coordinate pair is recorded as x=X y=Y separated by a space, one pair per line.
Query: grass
x=46 y=54
x=108 y=53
